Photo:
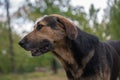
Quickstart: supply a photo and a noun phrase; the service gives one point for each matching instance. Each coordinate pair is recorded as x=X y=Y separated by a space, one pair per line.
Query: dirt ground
x=35 y=76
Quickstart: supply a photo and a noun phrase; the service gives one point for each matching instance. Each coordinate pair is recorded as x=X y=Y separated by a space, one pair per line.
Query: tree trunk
x=54 y=66
x=11 y=48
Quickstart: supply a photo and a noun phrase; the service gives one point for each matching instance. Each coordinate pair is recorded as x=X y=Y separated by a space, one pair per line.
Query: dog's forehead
x=45 y=19
x=49 y=20
x=39 y=19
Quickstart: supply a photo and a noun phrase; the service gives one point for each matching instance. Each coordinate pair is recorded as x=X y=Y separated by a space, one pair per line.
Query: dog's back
x=116 y=46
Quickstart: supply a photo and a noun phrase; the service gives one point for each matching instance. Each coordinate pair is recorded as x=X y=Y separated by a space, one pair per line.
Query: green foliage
x=4 y=57
x=115 y=19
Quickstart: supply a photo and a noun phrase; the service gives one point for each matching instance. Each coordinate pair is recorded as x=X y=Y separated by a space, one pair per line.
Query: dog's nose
x=23 y=42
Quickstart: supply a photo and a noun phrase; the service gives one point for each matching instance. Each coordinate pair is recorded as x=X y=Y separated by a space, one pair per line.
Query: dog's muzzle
x=37 y=48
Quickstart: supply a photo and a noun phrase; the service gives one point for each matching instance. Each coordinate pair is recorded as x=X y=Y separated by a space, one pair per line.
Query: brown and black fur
x=82 y=55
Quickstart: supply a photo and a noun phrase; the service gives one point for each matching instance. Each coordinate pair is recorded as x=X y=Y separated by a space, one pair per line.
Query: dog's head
x=48 y=33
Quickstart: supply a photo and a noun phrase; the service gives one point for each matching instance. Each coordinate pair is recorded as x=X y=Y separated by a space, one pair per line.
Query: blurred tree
x=93 y=13
x=54 y=66
x=4 y=59
x=34 y=10
x=114 y=17
x=11 y=49
x=101 y=29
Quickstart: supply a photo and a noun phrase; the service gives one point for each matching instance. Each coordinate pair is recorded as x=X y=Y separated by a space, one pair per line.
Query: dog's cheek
x=59 y=35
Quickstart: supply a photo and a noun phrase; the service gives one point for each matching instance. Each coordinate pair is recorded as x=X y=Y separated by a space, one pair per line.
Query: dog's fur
x=82 y=55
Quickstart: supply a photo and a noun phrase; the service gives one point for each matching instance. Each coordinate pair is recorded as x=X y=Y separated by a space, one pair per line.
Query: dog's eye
x=39 y=27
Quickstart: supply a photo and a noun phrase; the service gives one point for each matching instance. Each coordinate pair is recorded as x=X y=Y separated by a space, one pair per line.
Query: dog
x=83 y=55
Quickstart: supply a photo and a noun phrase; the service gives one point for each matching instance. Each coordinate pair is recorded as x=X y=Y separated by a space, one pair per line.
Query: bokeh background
x=17 y=17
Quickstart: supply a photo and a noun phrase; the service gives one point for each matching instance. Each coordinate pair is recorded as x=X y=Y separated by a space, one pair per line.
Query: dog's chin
x=40 y=51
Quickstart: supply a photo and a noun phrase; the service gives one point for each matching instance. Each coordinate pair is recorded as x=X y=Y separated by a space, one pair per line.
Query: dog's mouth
x=43 y=47
x=41 y=50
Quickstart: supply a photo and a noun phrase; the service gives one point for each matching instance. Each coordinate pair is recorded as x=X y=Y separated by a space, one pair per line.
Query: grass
x=35 y=76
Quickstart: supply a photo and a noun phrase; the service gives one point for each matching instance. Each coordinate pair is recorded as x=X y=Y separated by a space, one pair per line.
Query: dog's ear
x=70 y=28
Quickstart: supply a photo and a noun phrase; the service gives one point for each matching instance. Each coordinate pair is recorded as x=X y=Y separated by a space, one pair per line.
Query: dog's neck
x=83 y=45
x=63 y=52
x=66 y=57
x=75 y=54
